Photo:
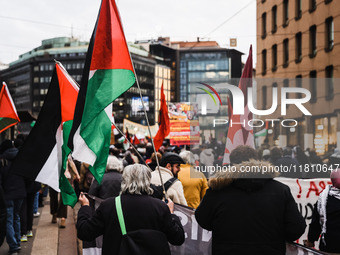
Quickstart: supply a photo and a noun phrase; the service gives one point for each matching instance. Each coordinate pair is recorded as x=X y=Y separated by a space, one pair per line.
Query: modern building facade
x=28 y=78
x=298 y=46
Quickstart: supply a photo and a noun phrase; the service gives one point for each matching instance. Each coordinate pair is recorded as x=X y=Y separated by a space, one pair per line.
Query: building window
x=264 y=25
x=264 y=62
x=264 y=97
x=285 y=53
x=298 y=47
x=274 y=19
x=274 y=57
x=329 y=83
x=312 y=86
x=312 y=5
x=312 y=41
x=36 y=68
x=285 y=13
x=286 y=85
x=298 y=80
x=329 y=34
x=298 y=9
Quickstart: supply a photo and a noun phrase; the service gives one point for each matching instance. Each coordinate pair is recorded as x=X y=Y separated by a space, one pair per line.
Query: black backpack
x=158 y=189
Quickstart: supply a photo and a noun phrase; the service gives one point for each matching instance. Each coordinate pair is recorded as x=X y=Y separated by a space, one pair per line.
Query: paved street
x=48 y=238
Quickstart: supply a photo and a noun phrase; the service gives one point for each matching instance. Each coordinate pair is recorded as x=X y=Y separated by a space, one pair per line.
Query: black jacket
x=140 y=212
x=109 y=187
x=3 y=217
x=332 y=236
x=249 y=215
x=13 y=185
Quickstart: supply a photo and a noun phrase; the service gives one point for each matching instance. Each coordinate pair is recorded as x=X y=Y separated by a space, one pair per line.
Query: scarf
x=321 y=206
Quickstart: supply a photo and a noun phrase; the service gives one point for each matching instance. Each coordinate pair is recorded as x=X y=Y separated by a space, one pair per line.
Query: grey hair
x=136 y=180
x=188 y=157
x=113 y=163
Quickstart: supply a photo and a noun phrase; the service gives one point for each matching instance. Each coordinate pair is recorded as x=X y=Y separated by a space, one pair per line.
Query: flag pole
x=147 y=121
x=131 y=145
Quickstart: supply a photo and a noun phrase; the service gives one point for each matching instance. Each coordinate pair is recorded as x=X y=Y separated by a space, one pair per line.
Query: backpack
x=158 y=189
x=141 y=241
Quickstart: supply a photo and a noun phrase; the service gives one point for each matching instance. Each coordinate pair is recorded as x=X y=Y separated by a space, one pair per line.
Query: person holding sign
x=247 y=211
x=326 y=218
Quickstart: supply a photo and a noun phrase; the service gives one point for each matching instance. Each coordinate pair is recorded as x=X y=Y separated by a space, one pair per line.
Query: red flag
x=8 y=113
x=135 y=140
x=127 y=136
x=164 y=126
x=241 y=134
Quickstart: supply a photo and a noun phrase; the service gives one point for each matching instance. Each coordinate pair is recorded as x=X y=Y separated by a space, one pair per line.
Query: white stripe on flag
x=81 y=151
x=50 y=172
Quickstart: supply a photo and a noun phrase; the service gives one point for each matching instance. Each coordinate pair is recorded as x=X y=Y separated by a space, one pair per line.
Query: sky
x=24 y=24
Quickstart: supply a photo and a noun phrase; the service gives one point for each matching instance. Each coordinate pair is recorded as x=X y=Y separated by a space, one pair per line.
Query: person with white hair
x=110 y=185
x=141 y=212
x=194 y=182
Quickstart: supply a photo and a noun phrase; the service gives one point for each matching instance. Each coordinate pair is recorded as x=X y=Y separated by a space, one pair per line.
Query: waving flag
x=8 y=113
x=164 y=125
x=107 y=74
x=241 y=134
x=44 y=154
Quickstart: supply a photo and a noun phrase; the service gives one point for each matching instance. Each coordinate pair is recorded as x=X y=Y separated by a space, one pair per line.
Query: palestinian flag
x=108 y=73
x=262 y=132
x=8 y=114
x=44 y=154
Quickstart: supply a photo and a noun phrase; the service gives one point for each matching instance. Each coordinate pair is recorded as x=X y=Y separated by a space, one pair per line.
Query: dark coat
x=332 y=235
x=109 y=187
x=292 y=165
x=249 y=215
x=140 y=212
x=13 y=185
x=3 y=216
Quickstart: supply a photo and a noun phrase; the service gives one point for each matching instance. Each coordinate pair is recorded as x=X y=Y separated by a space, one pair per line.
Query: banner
x=137 y=129
x=198 y=240
x=306 y=193
x=184 y=124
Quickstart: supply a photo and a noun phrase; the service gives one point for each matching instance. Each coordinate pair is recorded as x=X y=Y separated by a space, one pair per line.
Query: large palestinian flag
x=44 y=154
x=8 y=113
x=107 y=74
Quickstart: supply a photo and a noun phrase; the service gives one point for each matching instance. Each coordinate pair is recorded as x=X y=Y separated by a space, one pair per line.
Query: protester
x=3 y=216
x=27 y=212
x=326 y=218
x=111 y=182
x=140 y=211
x=128 y=159
x=290 y=163
x=249 y=212
x=170 y=165
x=153 y=163
x=300 y=156
x=194 y=182
x=15 y=192
x=266 y=155
x=275 y=155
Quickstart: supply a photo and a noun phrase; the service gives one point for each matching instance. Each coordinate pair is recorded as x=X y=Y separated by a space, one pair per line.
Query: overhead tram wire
x=228 y=19
x=40 y=22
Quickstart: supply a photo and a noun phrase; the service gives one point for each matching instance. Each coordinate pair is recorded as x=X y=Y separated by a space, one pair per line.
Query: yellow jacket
x=194 y=185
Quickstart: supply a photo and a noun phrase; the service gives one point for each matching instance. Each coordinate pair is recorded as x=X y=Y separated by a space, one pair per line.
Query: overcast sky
x=23 y=24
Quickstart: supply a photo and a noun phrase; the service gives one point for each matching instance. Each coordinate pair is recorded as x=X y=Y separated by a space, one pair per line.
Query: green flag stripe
x=103 y=88
x=5 y=122
x=67 y=191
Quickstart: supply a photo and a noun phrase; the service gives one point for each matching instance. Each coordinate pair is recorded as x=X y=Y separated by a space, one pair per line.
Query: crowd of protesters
x=233 y=207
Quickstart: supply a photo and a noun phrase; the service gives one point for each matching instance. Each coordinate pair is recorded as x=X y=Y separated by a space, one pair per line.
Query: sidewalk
x=48 y=238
